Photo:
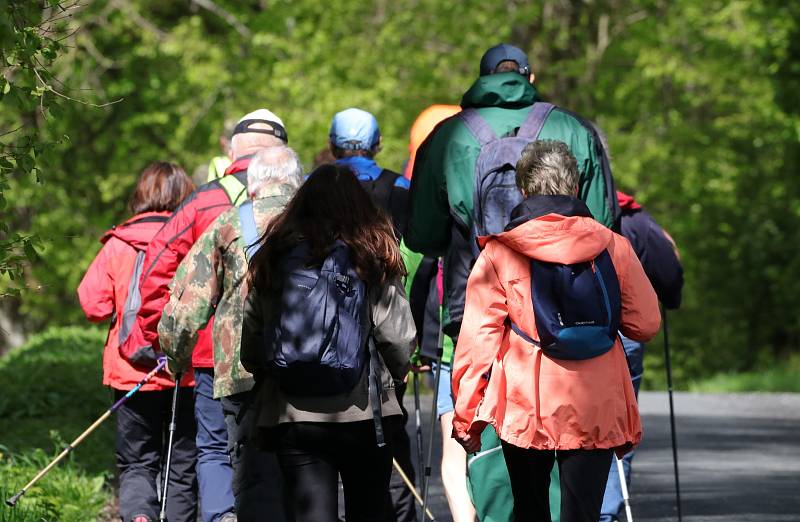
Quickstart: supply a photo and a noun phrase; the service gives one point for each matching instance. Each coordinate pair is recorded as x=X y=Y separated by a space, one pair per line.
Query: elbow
x=644 y=329
x=96 y=318
x=95 y=314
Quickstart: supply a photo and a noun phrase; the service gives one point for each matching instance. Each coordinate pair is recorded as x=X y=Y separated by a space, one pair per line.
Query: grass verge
x=783 y=377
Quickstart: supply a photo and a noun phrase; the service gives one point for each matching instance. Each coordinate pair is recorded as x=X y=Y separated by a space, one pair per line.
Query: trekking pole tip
x=11 y=502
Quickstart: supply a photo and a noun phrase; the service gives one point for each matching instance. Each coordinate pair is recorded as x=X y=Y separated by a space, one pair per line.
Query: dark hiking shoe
x=229 y=517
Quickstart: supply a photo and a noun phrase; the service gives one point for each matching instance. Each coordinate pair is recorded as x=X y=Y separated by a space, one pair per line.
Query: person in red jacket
x=257 y=130
x=103 y=293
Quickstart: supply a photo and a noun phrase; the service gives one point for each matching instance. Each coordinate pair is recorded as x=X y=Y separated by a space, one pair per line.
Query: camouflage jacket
x=210 y=281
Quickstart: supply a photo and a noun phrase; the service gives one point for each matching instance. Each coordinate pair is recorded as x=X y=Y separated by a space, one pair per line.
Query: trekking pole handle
x=162 y=362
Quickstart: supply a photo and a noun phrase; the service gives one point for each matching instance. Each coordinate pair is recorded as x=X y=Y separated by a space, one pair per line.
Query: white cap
x=262 y=114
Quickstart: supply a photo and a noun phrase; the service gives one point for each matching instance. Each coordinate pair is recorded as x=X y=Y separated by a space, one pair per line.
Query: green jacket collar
x=508 y=90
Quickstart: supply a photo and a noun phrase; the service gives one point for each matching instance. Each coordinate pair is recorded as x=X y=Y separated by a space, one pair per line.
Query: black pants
x=141 y=440
x=313 y=455
x=583 y=482
x=257 y=482
x=400 y=505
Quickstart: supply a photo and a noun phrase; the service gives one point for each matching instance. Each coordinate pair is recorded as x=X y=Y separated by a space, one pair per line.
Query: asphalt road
x=739 y=458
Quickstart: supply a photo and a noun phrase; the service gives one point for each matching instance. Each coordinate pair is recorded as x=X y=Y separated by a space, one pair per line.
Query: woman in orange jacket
x=519 y=371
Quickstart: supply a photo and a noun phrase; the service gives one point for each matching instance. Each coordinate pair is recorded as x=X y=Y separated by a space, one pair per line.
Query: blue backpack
x=321 y=341
x=495 y=193
x=577 y=307
x=318 y=343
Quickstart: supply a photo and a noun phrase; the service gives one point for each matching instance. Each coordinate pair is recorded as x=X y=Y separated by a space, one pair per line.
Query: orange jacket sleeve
x=479 y=342
x=641 y=317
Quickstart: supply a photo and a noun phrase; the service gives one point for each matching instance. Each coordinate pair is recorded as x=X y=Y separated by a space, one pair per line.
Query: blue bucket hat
x=501 y=53
x=354 y=129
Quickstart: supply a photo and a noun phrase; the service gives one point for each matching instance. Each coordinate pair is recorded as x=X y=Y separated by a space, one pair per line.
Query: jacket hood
x=138 y=230
x=239 y=165
x=554 y=229
x=509 y=90
x=627 y=202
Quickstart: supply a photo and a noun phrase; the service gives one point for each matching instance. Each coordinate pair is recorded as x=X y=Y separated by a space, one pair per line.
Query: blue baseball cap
x=501 y=53
x=354 y=129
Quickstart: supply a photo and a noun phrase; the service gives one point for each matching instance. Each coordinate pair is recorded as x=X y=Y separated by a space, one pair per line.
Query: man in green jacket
x=442 y=186
x=443 y=181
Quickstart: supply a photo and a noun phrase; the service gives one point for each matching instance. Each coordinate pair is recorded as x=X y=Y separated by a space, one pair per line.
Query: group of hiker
x=292 y=307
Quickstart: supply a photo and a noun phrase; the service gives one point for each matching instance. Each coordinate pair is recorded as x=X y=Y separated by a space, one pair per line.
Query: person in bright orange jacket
x=582 y=409
x=421 y=129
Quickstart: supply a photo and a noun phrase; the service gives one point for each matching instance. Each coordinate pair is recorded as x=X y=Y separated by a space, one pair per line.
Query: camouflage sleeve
x=194 y=292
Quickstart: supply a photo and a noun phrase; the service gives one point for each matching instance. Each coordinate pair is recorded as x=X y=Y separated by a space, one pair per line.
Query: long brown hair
x=161 y=187
x=330 y=205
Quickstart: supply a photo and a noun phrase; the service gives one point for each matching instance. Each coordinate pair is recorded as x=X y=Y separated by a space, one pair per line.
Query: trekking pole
x=11 y=502
x=438 y=375
x=668 y=365
x=162 y=517
x=418 y=420
x=623 y=484
x=410 y=486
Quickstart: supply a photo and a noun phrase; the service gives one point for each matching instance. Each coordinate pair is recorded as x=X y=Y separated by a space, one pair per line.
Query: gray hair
x=547 y=168
x=273 y=166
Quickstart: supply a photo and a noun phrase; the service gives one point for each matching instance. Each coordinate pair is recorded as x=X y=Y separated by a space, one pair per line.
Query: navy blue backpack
x=318 y=344
x=321 y=342
x=577 y=307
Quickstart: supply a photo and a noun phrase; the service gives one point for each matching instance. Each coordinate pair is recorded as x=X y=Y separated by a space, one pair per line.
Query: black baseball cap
x=501 y=53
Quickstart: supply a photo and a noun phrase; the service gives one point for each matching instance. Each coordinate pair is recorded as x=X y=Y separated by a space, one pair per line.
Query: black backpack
x=390 y=198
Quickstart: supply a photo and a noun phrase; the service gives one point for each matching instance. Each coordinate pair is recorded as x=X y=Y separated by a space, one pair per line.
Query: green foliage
x=53 y=384
x=29 y=43
x=50 y=392
x=67 y=493
x=777 y=378
x=698 y=101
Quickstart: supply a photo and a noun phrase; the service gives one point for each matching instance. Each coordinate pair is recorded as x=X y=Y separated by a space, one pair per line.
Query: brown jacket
x=394 y=335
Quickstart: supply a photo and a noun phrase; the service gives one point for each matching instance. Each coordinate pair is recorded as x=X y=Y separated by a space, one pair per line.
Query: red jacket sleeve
x=96 y=291
x=164 y=253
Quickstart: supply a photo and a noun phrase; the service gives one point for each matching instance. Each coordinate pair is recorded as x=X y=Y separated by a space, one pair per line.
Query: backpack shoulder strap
x=235 y=189
x=133 y=301
x=477 y=126
x=374 y=375
x=382 y=187
x=534 y=122
x=249 y=228
x=609 y=285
